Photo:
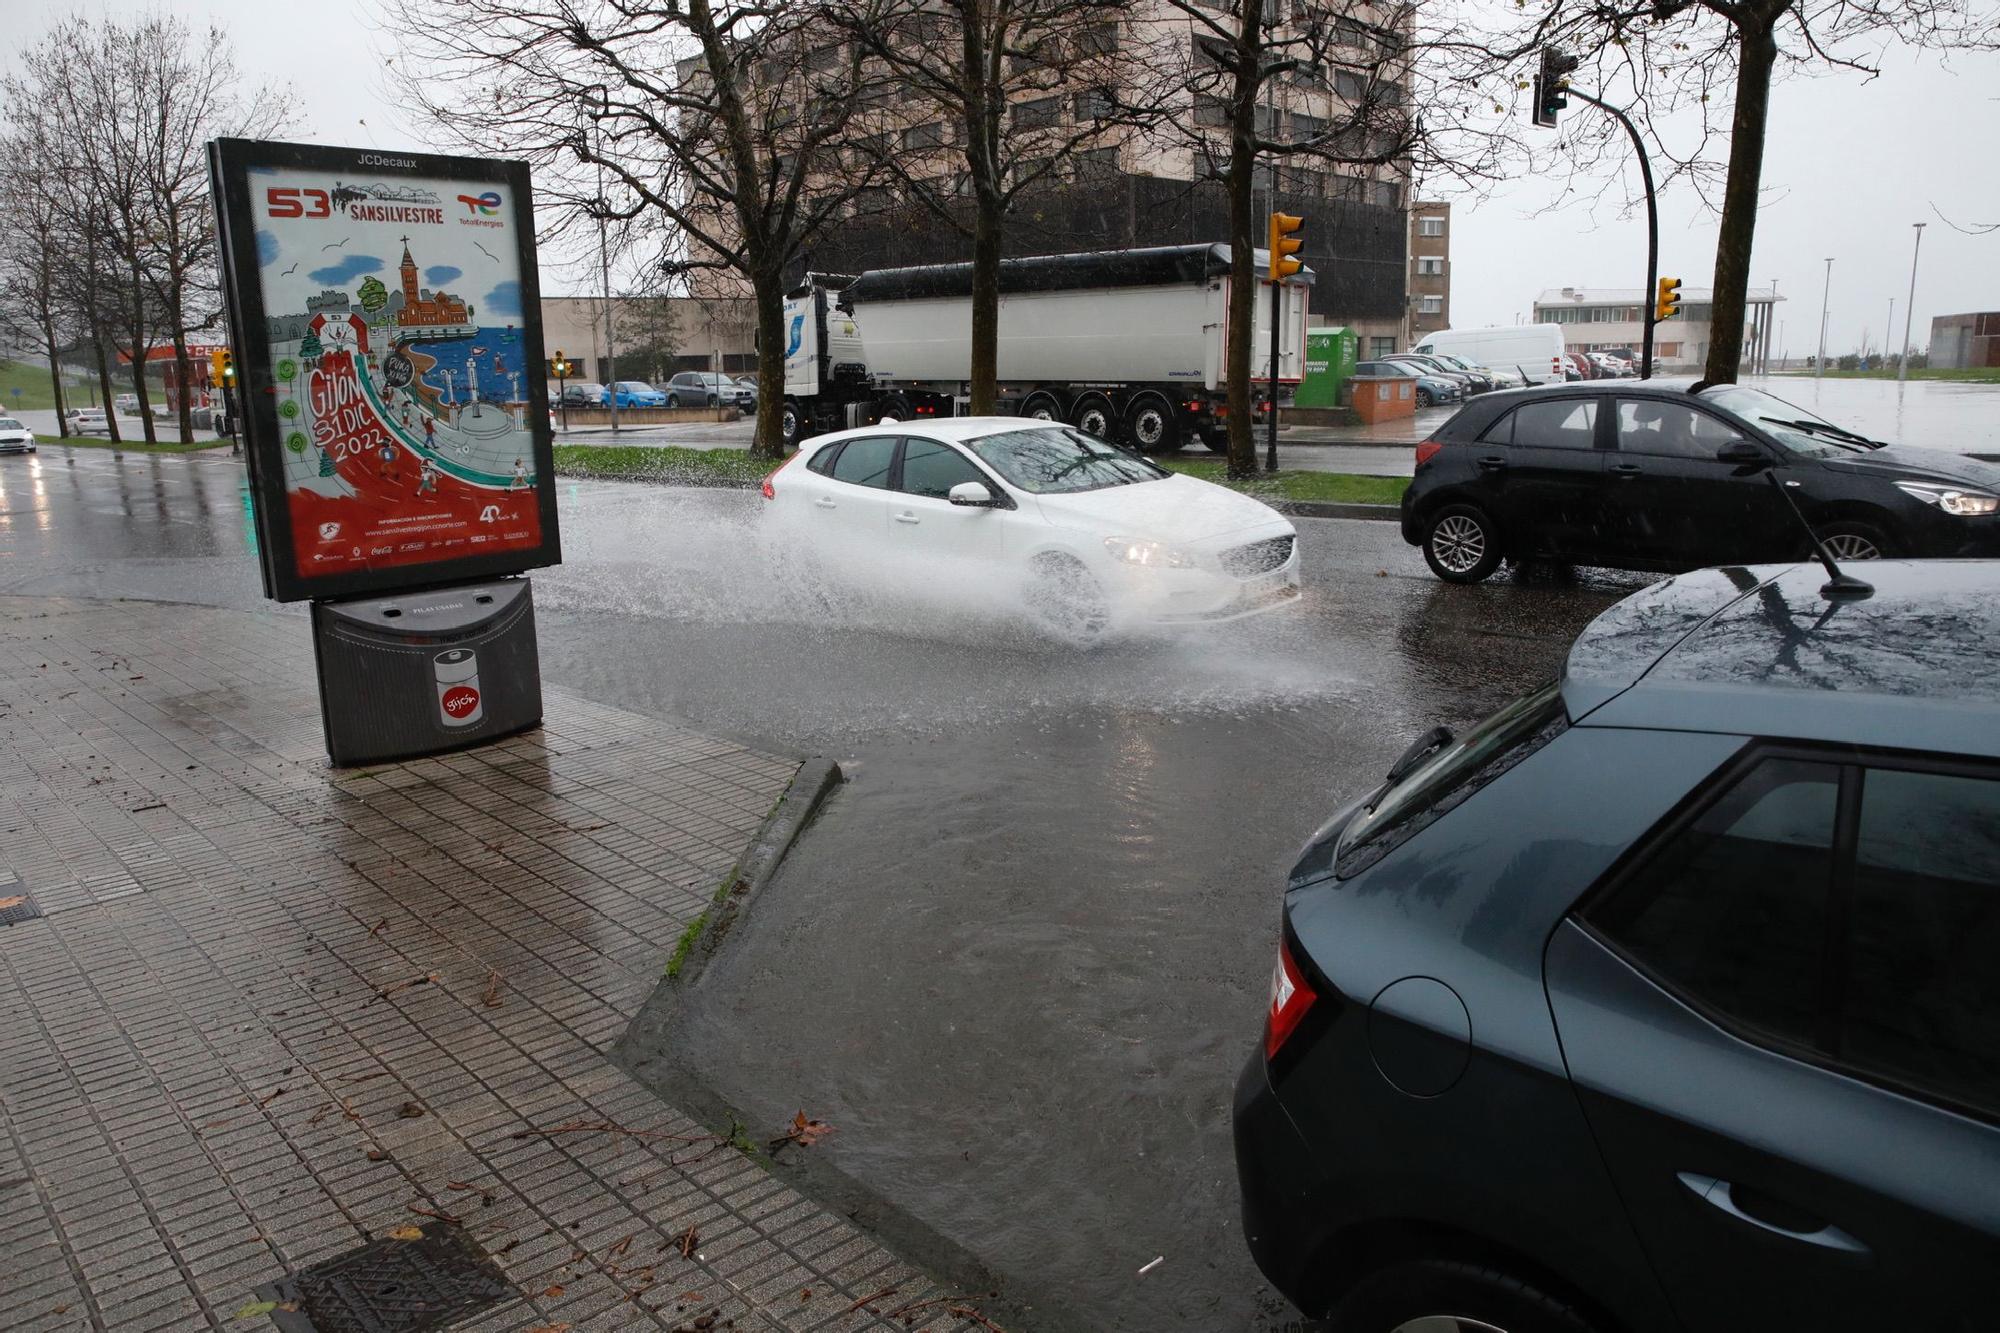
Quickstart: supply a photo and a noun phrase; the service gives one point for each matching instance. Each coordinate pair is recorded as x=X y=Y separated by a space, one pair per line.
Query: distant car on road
x=88 y=420
x=707 y=388
x=126 y=404
x=1084 y=536
x=1432 y=387
x=637 y=393
x=1653 y=475
x=1662 y=1000
x=15 y=438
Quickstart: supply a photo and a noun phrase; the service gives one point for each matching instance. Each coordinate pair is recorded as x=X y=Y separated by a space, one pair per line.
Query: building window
x=1095 y=161
x=1431 y=305
x=1381 y=347
x=931 y=135
x=1430 y=226
x=1349 y=85
x=1095 y=104
x=1385 y=194
x=1430 y=266
x=1307 y=128
x=1210 y=111
x=1668 y=349
x=1038 y=113
x=1097 y=40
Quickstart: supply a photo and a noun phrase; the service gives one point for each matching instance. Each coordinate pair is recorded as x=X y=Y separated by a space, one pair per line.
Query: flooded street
x=1020 y=956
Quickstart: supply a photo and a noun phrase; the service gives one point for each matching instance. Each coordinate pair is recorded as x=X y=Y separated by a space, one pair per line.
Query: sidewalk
x=263 y=1014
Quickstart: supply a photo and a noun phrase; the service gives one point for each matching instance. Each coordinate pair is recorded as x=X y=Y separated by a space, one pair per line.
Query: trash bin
x=426 y=671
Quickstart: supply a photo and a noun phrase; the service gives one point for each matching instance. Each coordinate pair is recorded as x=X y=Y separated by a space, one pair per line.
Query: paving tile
x=205 y=1053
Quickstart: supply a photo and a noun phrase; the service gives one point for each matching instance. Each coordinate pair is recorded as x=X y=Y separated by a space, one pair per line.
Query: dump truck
x=1128 y=345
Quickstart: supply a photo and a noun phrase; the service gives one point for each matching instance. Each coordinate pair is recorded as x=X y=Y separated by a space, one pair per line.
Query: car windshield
x=633 y=386
x=1446 y=774
x=1798 y=430
x=8 y=423
x=1050 y=460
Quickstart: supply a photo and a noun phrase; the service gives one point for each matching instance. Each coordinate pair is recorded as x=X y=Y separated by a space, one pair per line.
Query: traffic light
x=228 y=366
x=1669 y=302
x=1284 y=245
x=215 y=356
x=1551 y=82
x=559 y=366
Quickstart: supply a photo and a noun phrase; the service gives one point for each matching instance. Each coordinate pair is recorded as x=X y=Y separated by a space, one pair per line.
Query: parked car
x=126 y=404
x=747 y=385
x=15 y=438
x=637 y=393
x=88 y=420
x=1474 y=379
x=1432 y=388
x=584 y=393
x=707 y=388
x=1662 y=1000
x=1533 y=350
x=1655 y=475
x=1625 y=354
x=1502 y=378
x=1576 y=366
x=1004 y=512
x=1612 y=367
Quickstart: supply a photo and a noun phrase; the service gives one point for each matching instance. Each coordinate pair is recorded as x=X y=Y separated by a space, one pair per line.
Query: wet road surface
x=1023 y=952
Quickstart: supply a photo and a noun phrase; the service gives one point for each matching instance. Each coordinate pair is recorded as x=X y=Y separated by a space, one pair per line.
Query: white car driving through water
x=1084 y=536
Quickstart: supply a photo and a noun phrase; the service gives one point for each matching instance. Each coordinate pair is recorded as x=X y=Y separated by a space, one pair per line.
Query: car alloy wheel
x=1446 y=1323
x=1461 y=546
x=1066 y=600
x=1443 y=1296
x=1852 y=542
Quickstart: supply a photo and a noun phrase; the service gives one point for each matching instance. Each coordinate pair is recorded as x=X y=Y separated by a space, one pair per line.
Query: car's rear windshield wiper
x=1829 y=430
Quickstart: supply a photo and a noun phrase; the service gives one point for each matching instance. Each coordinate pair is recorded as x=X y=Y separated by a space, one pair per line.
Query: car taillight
x=1427 y=451
x=767 y=490
x=1291 y=996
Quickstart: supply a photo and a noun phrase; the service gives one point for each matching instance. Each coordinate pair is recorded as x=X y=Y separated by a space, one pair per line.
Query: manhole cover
x=391 y=1286
x=15 y=906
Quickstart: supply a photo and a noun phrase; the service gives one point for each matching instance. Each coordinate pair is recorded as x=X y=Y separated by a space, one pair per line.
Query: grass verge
x=1325 y=487
x=685 y=946
x=1966 y=375
x=132 y=446
x=735 y=467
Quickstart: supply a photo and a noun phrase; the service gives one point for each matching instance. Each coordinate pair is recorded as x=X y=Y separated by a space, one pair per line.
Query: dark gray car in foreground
x=1668 y=998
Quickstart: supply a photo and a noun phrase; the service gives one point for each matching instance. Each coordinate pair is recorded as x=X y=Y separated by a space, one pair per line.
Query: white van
x=1536 y=350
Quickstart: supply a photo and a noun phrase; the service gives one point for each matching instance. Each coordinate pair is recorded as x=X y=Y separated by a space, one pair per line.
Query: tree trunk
x=985 y=306
x=1739 y=202
x=183 y=368
x=55 y=375
x=1242 y=245
x=104 y=387
x=769 y=440
x=139 y=348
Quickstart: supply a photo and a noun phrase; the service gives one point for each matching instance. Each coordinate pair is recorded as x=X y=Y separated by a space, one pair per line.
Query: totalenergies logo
x=483 y=205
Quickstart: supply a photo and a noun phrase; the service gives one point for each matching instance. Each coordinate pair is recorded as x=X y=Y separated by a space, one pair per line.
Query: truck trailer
x=1128 y=345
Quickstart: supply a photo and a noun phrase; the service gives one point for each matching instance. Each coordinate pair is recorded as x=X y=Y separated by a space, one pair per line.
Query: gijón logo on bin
x=457 y=672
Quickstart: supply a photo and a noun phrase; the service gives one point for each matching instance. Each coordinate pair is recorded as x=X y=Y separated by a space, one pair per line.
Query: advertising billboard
x=385 y=315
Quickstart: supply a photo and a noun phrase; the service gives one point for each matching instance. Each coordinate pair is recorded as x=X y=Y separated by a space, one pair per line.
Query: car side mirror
x=972 y=494
x=1744 y=454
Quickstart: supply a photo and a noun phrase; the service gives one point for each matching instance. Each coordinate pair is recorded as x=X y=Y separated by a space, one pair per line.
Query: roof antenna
x=1838 y=587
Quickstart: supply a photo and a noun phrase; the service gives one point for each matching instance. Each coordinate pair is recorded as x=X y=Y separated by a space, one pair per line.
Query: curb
x=1333 y=509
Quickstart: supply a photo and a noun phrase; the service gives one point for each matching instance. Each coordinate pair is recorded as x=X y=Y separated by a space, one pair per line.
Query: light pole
x=602 y=102
x=1819 y=362
x=1909 y=311
x=1889 y=329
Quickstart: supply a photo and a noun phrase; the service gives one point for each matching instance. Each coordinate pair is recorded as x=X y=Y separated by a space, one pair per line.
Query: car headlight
x=1966 y=504
x=1152 y=554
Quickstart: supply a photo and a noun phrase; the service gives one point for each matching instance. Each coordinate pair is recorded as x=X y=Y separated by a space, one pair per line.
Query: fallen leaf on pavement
x=409 y=1111
x=450 y=1219
x=804 y=1132
x=377 y=1155
x=255 y=1308
x=406 y=1232
x=619 y=1248
x=491 y=999
x=553 y=1290
x=549 y=1328
x=15 y=901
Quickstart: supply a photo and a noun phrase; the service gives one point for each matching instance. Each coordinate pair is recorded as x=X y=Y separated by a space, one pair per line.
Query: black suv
x=1671 y=476
x=1665 y=1000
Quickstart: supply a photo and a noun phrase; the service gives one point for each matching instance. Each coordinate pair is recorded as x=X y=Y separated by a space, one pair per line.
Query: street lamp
x=1903 y=366
x=1819 y=362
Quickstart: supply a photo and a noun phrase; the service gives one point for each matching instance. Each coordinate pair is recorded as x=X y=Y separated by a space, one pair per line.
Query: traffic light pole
x=1271 y=426
x=1648 y=293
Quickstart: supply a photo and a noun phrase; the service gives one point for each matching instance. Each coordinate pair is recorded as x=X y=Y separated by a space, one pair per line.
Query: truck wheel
x=1216 y=440
x=792 y=423
x=1044 y=405
x=1152 y=424
x=892 y=405
x=1093 y=414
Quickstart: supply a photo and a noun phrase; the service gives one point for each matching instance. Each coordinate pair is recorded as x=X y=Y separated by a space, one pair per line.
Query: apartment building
x=1430 y=268
x=1120 y=188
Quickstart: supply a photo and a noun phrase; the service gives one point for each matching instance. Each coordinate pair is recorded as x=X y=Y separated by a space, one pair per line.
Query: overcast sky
x=1849 y=166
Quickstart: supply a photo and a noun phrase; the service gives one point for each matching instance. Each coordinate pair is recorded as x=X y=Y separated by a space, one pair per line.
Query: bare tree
x=30 y=258
x=1663 y=55
x=1358 y=66
x=718 y=121
x=982 y=101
